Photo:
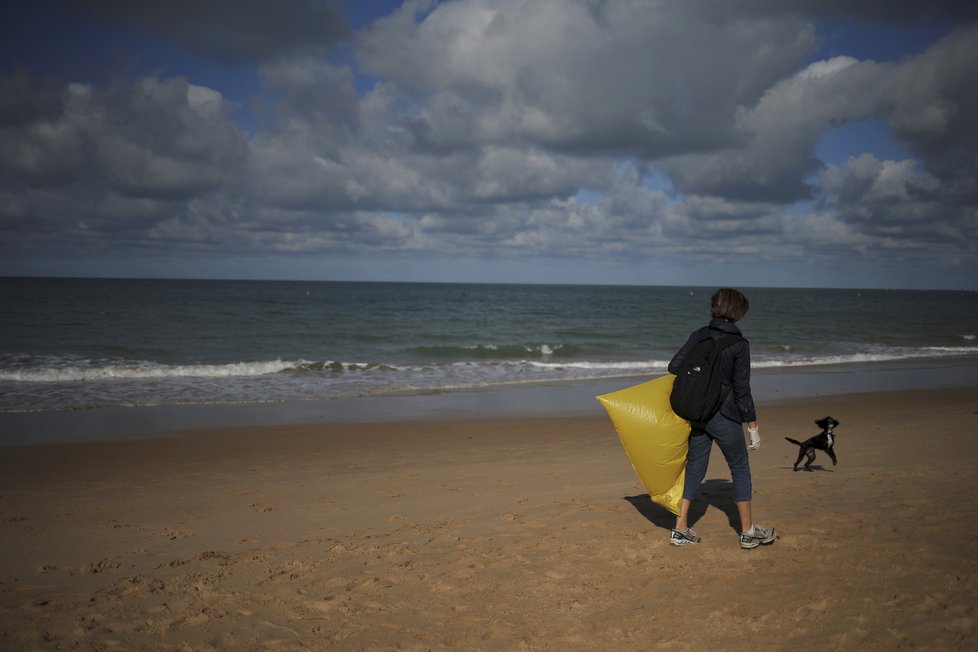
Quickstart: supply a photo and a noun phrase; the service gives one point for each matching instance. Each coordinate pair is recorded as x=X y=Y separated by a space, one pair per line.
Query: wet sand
x=494 y=534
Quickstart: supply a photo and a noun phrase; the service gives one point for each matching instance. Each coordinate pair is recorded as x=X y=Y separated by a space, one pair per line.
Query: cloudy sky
x=750 y=142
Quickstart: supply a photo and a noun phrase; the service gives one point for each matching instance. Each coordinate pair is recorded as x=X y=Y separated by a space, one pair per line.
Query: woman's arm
x=740 y=384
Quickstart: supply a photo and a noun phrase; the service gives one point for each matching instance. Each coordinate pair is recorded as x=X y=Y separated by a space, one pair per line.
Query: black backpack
x=699 y=379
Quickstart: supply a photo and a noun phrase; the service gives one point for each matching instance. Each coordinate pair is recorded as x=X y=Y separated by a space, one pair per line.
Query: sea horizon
x=483 y=282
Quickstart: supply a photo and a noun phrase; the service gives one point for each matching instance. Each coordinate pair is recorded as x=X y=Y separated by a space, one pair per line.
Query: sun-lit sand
x=489 y=534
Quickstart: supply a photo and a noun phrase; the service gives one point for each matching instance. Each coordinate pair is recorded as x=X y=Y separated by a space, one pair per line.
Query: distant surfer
x=728 y=306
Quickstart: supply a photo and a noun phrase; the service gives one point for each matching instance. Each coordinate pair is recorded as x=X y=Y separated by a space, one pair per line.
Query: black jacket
x=737 y=403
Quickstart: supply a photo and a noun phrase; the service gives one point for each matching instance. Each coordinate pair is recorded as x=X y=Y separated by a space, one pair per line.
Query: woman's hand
x=755 y=436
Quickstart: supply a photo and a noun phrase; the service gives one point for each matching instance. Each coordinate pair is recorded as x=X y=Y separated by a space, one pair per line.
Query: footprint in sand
x=97 y=567
x=174 y=533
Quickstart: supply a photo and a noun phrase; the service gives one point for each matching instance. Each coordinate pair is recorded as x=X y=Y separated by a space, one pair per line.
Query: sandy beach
x=493 y=534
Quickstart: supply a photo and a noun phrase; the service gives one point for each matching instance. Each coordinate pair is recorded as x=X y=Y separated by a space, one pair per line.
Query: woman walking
x=728 y=306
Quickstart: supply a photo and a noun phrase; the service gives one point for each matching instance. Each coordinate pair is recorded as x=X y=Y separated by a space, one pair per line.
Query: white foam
x=77 y=383
x=628 y=365
x=889 y=355
x=145 y=370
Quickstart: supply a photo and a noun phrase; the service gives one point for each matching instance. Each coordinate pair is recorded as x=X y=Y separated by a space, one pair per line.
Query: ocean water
x=71 y=344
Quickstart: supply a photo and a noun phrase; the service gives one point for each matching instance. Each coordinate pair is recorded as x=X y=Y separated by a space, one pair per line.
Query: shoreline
x=493 y=533
x=532 y=400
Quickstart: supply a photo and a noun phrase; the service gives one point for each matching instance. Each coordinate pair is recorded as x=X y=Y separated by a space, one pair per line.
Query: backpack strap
x=729 y=339
x=725 y=340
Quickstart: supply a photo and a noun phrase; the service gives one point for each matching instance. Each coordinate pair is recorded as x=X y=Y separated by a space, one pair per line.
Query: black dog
x=823 y=441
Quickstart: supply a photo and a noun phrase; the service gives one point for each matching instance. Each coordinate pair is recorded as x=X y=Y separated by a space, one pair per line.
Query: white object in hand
x=755 y=438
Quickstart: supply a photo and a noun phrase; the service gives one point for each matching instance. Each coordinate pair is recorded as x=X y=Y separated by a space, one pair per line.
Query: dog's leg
x=832 y=455
x=801 y=455
x=811 y=458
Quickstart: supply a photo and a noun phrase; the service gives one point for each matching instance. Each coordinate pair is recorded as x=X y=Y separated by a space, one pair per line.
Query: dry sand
x=493 y=535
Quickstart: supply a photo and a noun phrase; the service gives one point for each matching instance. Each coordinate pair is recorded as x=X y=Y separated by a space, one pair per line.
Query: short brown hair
x=729 y=304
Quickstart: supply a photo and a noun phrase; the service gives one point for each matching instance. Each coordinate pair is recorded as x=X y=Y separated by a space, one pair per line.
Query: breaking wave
x=39 y=383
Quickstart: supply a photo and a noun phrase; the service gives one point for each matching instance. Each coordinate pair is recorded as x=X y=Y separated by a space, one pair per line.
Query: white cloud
x=579 y=76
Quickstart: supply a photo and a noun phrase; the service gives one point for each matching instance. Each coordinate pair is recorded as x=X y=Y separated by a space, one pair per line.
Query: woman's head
x=729 y=304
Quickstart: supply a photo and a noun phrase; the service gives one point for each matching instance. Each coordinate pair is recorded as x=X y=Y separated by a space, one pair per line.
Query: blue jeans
x=729 y=436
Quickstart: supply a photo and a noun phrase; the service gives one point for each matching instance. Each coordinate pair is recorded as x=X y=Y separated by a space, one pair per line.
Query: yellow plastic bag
x=655 y=439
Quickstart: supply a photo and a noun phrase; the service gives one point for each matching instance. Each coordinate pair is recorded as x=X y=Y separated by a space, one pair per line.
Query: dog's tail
x=796 y=443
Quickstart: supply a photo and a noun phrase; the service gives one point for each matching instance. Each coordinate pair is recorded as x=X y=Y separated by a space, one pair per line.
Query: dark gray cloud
x=780 y=132
x=931 y=103
x=232 y=31
x=892 y=11
x=25 y=100
x=108 y=165
x=163 y=139
x=896 y=201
